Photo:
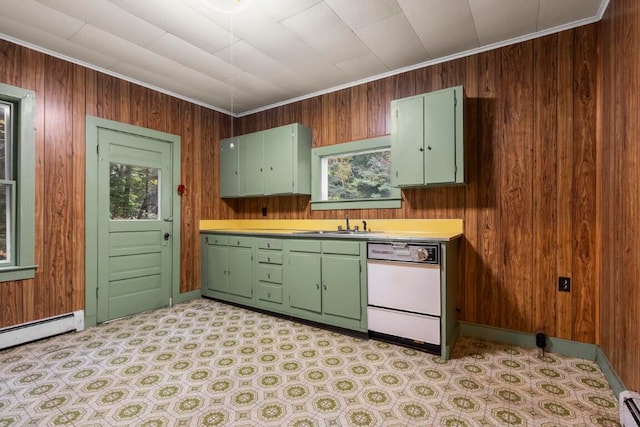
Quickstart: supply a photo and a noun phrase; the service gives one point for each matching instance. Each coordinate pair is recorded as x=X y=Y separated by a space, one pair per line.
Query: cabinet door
x=341 y=286
x=239 y=272
x=251 y=160
x=440 y=137
x=303 y=281
x=407 y=142
x=217 y=268
x=229 y=163
x=278 y=160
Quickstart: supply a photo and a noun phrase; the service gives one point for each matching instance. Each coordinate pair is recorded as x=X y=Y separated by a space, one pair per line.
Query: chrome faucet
x=346 y=217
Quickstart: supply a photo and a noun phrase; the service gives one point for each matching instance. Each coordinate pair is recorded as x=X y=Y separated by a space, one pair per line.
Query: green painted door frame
x=93 y=124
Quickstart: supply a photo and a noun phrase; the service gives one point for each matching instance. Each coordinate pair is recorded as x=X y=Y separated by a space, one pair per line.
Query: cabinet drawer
x=272 y=293
x=241 y=241
x=268 y=273
x=270 y=257
x=269 y=243
x=305 y=245
x=218 y=240
x=338 y=247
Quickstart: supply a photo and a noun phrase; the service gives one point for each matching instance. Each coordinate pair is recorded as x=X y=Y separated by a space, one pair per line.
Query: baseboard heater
x=31 y=331
x=629 y=412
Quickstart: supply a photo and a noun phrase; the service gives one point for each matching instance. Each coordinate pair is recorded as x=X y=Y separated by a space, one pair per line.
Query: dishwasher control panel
x=404 y=252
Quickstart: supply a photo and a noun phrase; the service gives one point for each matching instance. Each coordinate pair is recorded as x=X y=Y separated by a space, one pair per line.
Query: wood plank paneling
x=619 y=293
x=544 y=191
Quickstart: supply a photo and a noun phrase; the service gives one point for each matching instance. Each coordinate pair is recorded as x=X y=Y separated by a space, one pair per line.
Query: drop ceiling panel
x=92 y=37
x=59 y=45
x=554 y=13
x=44 y=18
x=191 y=56
x=181 y=20
x=282 y=9
x=394 y=42
x=358 y=13
x=516 y=18
x=282 y=49
x=108 y=17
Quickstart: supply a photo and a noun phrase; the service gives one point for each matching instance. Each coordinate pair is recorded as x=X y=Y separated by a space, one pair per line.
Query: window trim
x=24 y=223
x=354 y=147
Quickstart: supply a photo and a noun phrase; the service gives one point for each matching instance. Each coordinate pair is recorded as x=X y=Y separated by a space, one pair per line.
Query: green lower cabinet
x=341 y=294
x=324 y=281
x=228 y=271
x=239 y=277
x=303 y=277
x=216 y=278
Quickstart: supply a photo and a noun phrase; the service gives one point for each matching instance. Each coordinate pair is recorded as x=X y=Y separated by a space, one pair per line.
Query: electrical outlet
x=564 y=284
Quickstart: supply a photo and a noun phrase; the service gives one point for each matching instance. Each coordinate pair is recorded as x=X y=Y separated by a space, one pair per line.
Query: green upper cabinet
x=251 y=164
x=276 y=161
x=427 y=139
x=229 y=165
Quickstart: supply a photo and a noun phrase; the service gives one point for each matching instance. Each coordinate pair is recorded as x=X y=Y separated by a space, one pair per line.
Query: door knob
x=166 y=236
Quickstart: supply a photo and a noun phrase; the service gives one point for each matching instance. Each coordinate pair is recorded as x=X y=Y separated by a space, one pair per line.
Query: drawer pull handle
x=317 y=285
x=268 y=259
x=268 y=275
x=269 y=295
x=268 y=245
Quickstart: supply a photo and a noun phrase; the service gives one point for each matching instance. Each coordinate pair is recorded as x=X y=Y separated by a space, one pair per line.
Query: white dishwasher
x=404 y=303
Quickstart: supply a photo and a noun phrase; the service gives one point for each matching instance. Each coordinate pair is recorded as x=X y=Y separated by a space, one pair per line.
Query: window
x=17 y=181
x=354 y=175
x=133 y=192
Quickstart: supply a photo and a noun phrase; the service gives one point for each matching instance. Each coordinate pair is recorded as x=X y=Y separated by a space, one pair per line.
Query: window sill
x=322 y=205
x=21 y=272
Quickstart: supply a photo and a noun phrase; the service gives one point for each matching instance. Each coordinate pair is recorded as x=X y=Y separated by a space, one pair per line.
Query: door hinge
x=455 y=100
x=98 y=149
x=206 y=239
x=96 y=292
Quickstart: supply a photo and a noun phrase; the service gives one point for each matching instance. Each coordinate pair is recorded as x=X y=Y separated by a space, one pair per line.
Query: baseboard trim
x=554 y=345
x=187 y=296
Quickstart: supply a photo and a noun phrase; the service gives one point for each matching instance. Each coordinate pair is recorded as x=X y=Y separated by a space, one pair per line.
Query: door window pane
x=133 y=192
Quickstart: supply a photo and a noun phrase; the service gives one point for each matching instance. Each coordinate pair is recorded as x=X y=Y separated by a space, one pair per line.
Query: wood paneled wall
x=65 y=94
x=620 y=170
x=529 y=207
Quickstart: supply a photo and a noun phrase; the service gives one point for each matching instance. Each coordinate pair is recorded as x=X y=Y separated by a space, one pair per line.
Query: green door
x=134 y=224
x=251 y=158
x=278 y=160
x=239 y=272
x=303 y=281
x=341 y=286
x=440 y=137
x=229 y=163
x=217 y=268
x=407 y=142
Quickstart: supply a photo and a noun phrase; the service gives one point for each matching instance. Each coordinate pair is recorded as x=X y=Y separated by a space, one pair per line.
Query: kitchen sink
x=329 y=232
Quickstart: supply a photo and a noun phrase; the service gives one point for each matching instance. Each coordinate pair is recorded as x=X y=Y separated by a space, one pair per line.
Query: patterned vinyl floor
x=204 y=363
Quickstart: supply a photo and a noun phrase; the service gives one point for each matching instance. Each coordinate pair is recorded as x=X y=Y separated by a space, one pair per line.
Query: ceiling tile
x=323 y=30
x=108 y=17
x=443 y=26
x=318 y=72
x=191 y=56
x=281 y=9
x=363 y=67
x=554 y=13
x=516 y=18
x=394 y=42
x=91 y=37
x=358 y=13
x=52 y=43
x=179 y=19
x=38 y=15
